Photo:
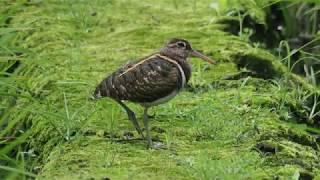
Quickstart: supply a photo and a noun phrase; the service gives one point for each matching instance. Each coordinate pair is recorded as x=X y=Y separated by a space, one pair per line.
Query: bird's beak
x=202 y=56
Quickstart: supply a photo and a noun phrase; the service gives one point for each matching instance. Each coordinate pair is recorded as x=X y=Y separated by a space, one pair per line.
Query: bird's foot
x=157 y=146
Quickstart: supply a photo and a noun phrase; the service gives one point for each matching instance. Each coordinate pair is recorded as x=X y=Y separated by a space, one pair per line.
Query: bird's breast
x=161 y=100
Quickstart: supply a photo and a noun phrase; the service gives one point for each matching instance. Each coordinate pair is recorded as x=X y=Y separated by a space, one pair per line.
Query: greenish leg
x=146 y=125
x=132 y=118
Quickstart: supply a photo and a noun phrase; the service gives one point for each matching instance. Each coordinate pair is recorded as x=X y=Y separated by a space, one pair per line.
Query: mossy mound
x=228 y=129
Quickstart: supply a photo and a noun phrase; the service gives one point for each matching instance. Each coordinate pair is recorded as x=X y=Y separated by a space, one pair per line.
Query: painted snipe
x=150 y=81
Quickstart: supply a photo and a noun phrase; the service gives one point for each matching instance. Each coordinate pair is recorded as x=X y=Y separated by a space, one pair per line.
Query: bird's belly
x=161 y=100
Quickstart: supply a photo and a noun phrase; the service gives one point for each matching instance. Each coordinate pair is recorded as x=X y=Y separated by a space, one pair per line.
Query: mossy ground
x=215 y=129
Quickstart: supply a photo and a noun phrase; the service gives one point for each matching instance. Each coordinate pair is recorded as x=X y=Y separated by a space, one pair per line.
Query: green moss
x=213 y=129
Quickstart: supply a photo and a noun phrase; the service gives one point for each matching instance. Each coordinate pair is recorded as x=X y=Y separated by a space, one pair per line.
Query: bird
x=151 y=80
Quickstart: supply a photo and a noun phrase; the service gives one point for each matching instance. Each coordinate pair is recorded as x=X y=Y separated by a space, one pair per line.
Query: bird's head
x=181 y=49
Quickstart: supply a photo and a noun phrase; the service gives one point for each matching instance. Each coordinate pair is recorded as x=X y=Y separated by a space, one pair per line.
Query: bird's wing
x=144 y=81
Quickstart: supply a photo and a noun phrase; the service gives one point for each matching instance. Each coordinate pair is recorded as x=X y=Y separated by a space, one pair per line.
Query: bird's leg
x=132 y=118
x=146 y=125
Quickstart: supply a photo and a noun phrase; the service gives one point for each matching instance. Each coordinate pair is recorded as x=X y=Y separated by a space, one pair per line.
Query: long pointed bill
x=200 y=55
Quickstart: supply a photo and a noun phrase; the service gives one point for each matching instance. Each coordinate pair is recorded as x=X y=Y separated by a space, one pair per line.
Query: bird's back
x=146 y=80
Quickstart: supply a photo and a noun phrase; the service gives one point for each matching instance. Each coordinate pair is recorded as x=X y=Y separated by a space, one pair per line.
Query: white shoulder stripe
x=183 y=76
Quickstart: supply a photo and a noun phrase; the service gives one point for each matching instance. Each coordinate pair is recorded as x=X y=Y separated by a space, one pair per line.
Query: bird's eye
x=181 y=44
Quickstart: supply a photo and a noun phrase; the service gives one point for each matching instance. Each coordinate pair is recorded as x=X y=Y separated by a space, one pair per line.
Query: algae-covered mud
x=254 y=115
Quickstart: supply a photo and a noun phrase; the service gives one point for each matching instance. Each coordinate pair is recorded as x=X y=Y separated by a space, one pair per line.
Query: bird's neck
x=182 y=61
x=186 y=67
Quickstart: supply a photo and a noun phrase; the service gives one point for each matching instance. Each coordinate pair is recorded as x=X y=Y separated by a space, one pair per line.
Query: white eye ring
x=181 y=44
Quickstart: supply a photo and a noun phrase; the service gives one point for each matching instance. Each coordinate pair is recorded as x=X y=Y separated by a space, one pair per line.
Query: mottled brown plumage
x=150 y=81
x=147 y=82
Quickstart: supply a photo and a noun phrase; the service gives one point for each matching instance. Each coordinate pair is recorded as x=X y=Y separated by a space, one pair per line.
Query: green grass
x=211 y=131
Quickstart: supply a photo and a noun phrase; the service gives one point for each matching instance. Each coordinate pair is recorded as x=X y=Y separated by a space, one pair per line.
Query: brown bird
x=150 y=81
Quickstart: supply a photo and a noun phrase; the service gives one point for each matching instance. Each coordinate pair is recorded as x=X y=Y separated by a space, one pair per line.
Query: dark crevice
x=12 y=68
x=282 y=23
